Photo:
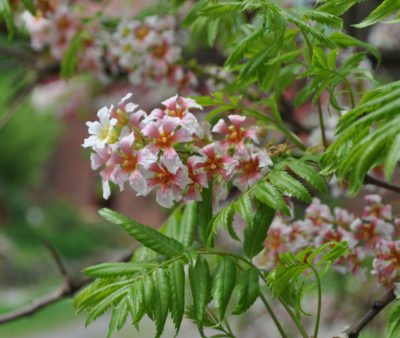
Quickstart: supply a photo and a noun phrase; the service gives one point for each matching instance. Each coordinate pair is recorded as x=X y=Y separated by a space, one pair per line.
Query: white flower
x=100 y=131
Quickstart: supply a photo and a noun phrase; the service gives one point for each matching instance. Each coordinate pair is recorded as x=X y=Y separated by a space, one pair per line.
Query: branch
x=380 y=183
x=376 y=307
x=68 y=288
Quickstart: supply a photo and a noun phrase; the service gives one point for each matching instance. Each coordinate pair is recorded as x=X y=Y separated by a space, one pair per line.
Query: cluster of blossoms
x=375 y=234
x=147 y=52
x=171 y=150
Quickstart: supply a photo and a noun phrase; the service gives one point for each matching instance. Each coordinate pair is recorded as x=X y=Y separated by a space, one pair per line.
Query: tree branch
x=68 y=288
x=380 y=183
x=377 y=306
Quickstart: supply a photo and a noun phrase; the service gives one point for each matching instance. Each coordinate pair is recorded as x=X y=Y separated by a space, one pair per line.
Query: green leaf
x=393 y=325
x=287 y=183
x=212 y=31
x=162 y=296
x=223 y=283
x=199 y=276
x=224 y=217
x=385 y=9
x=267 y=194
x=310 y=175
x=116 y=269
x=305 y=27
x=204 y=214
x=337 y=7
x=144 y=234
x=69 y=62
x=254 y=236
x=30 y=6
x=188 y=223
x=241 y=48
x=321 y=17
x=345 y=41
x=392 y=157
x=7 y=14
x=118 y=317
x=193 y=13
x=177 y=285
x=248 y=289
x=244 y=208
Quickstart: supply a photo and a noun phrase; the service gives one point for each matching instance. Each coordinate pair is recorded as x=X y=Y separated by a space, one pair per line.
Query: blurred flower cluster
x=147 y=51
x=374 y=234
x=170 y=150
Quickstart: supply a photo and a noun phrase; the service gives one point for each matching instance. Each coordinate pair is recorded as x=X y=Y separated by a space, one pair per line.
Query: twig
x=380 y=183
x=376 y=307
x=68 y=288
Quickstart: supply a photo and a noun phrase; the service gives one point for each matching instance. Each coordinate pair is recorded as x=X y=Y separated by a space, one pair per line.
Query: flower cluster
x=170 y=150
x=148 y=52
x=374 y=234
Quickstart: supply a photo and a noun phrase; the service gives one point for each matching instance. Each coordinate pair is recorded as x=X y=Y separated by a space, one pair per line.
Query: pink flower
x=235 y=134
x=387 y=263
x=127 y=163
x=319 y=213
x=125 y=114
x=372 y=232
x=171 y=184
x=214 y=162
x=178 y=107
x=343 y=218
x=253 y=165
x=375 y=208
x=99 y=158
x=164 y=134
x=198 y=180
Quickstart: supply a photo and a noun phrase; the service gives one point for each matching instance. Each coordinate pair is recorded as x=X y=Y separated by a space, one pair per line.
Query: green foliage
x=149 y=237
x=116 y=269
x=288 y=279
x=287 y=183
x=200 y=281
x=393 y=325
x=69 y=62
x=204 y=214
x=367 y=137
x=255 y=234
x=177 y=285
x=7 y=14
x=223 y=282
x=248 y=289
x=385 y=9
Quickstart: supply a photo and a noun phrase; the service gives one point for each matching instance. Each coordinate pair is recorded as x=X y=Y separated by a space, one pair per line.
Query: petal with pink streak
x=181 y=179
x=151 y=130
x=165 y=197
x=182 y=135
x=237 y=120
x=221 y=127
x=192 y=194
x=145 y=157
x=171 y=102
x=251 y=133
x=169 y=124
x=126 y=144
x=154 y=148
x=171 y=160
x=138 y=182
x=209 y=150
x=187 y=103
x=120 y=175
